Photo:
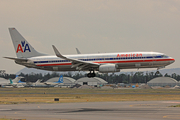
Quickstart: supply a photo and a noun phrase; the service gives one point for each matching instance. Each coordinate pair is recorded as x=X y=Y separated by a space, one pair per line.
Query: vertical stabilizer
x=60 y=79
x=22 y=48
x=38 y=81
x=17 y=79
x=11 y=82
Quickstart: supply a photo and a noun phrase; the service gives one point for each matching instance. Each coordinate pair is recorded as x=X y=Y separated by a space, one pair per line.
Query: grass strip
x=175 y=105
x=43 y=95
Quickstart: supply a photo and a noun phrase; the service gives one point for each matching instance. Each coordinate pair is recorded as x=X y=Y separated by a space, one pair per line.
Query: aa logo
x=61 y=79
x=23 y=47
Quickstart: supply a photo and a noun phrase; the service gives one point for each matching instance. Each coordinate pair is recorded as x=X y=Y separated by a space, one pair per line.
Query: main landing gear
x=157 y=72
x=89 y=75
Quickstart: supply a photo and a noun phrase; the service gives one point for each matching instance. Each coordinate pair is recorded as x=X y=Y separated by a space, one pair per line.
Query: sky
x=92 y=26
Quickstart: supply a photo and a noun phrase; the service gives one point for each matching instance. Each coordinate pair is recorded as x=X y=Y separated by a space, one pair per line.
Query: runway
x=95 y=93
x=131 y=110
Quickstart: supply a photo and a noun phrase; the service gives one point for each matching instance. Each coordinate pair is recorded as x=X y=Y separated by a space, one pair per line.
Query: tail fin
x=38 y=81
x=60 y=79
x=22 y=48
x=11 y=82
x=17 y=79
x=21 y=81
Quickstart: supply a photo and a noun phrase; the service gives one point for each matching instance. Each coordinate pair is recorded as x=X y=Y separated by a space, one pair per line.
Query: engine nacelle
x=108 y=68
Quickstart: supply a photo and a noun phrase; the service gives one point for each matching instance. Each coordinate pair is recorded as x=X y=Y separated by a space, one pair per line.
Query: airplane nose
x=172 y=60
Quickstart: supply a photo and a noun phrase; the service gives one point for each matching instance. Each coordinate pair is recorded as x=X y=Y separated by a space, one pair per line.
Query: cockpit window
x=164 y=56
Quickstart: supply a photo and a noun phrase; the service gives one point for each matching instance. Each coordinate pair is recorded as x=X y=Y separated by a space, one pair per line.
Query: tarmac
x=130 y=110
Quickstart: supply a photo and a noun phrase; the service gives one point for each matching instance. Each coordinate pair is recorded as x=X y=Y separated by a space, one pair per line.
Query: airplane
x=19 y=79
x=37 y=84
x=32 y=84
x=4 y=82
x=11 y=82
x=102 y=62
x=17 y=85
x=60 y=81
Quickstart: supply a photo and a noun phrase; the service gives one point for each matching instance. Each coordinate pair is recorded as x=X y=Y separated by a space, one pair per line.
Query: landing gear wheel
x=89 y=75
x=93 y=74
x=157 y=72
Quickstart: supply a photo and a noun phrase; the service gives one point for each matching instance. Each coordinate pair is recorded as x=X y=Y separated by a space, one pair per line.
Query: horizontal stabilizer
x=17 y=59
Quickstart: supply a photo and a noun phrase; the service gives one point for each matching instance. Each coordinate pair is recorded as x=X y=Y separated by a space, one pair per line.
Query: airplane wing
x=79 y=64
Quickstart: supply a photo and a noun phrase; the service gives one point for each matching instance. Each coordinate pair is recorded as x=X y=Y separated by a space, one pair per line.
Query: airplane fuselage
x=127 y=60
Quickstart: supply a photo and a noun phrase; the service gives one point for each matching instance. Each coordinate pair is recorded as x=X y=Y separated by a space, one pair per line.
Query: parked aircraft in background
x=16 y=84
x=60 y=81
x=104 y=62
x=33 y=84
x=9 y=83
x=38 y=83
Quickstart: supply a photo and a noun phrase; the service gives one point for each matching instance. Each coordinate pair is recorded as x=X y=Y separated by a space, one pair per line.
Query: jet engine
x=108 y=68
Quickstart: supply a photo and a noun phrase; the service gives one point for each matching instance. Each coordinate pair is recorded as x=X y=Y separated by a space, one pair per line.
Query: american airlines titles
x=130 y=55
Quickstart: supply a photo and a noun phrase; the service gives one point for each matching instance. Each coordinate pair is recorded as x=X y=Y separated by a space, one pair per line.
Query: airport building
x=95 y=81
x=67 y=81
x=3 y=79
x=163 y=81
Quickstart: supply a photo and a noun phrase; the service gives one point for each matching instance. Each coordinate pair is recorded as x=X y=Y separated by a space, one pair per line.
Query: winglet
x=58 y=54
